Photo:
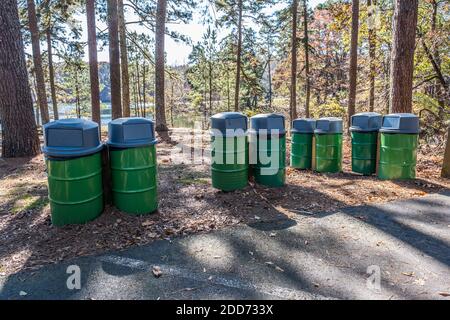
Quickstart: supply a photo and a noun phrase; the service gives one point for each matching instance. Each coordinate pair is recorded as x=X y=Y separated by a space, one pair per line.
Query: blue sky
x=177 y=53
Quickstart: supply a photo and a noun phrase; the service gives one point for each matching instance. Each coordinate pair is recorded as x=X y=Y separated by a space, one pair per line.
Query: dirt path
x=188 y=204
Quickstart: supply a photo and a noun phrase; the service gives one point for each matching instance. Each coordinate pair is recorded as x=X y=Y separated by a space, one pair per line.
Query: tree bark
x=372 y=47
x=306 y=43
x=171 y=104
x=404 y=24
x=77 y=95
x=19 y=134
x=228 y=90
x=353 y=61
x=144 y=100
x=293 y=97
x=114 y=59
x=210 y=69
x=269 y=71
x=51 y=73
x=160 y=108
x=37 y=60
x=238 y=57
x=93 y=64
x=141 y=111
x=124 y=61
x=446 y=164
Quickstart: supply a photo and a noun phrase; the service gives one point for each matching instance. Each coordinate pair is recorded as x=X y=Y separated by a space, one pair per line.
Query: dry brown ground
x=188 y=204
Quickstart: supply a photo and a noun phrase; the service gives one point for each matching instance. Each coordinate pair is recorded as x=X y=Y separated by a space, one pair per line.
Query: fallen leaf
x=408 y=274
x=444 y=294
x=147 y=223
x=419 y=282
x=279 y=269
x=156 y=271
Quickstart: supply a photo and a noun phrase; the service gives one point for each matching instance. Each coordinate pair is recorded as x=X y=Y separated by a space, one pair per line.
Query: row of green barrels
x=73 y=153
x=237 y=152
x=397 y=135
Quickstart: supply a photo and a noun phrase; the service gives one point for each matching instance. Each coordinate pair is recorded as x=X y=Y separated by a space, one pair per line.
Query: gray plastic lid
x=131 y=132
x=400 y=123
x=269 y=122
x=304 y=125
x=366 y=122
x=69 y=138
x=328 y=125
x=229 y=121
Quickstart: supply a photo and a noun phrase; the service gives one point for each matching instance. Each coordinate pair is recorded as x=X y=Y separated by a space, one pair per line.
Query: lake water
x=183 y=120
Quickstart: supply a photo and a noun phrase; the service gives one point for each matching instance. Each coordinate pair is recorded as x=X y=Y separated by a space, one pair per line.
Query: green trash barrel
x=398 y=146
x=132 y=153
x=267 y=151
x=364 y=133
x=302 y=133
x=72 y=151
x=328 y=146
x=229 y=151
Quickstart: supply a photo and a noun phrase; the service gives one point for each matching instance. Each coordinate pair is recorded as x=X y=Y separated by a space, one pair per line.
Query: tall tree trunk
x=124 y=61
x=440 y=95
x=51 y=73
x=138 y=86
x=77 y=95
x=19 y=134
x=306 y=43
x=372 y=45
x=135 y=99
x=93 y=64
x=160 y=108
x=404 y=24
x=238 y=57
x=228 y=90
x=143 y=89
x=37 y=115
x=114 y=59
x=293 y=97
x=386 y=80
x=171 y=105
x=353 y=61
x=269 y=70
x=210 y=86
x=446 y=164
x=37 y=60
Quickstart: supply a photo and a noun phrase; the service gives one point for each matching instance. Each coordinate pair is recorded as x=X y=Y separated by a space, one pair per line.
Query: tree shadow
x=420 y=184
